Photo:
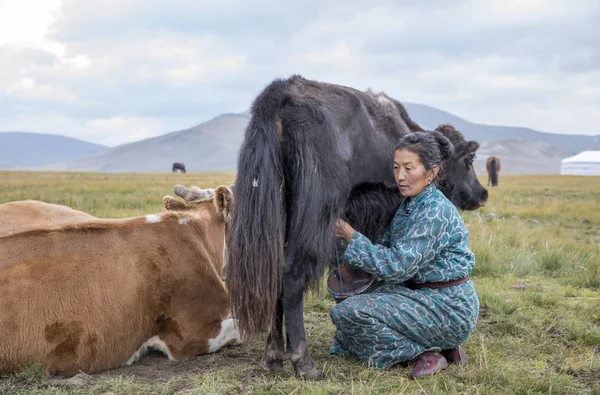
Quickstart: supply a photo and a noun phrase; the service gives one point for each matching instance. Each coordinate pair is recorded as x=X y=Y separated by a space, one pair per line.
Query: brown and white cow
x=24 y=214
x=94 y=295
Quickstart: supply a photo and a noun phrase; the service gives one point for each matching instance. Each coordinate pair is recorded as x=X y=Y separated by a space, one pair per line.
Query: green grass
x=537 y=247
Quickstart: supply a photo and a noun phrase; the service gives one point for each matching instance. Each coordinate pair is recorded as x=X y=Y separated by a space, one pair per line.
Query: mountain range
x=29 y=150
x=213 y=145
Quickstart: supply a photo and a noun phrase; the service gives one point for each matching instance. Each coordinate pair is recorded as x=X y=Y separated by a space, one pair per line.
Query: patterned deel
x=427 y=242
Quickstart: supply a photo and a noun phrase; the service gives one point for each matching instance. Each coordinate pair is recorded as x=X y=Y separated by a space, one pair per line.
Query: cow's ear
x=223 y=200
x=172 y=204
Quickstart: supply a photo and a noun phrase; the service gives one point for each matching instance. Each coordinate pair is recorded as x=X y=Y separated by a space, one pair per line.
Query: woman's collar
x=424 y=194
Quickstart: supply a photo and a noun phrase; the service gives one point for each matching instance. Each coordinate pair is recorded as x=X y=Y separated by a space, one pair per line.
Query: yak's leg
x=293 y=302
x=273 y=357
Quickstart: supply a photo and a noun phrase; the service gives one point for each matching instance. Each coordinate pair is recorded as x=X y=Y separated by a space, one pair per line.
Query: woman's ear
x=434 y=171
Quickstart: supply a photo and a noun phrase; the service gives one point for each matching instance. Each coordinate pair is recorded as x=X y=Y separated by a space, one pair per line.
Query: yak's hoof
x=271 y=365
x=311 y=375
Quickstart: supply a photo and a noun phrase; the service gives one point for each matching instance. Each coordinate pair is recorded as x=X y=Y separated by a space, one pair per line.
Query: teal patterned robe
x=427 y=242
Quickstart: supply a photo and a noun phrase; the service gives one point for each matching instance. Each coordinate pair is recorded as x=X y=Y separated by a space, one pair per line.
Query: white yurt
x=586 y=163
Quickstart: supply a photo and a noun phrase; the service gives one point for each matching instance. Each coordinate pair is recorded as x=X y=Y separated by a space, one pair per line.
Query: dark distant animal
x=306 y=146
x=178 y=166
x=97 y=294
x=492 y=165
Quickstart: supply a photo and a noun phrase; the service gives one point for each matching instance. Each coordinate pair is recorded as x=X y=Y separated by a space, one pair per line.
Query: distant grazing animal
x=178 y=166
x=95 y=295
x=306 y=146
x=492 y=165
x=24 y=214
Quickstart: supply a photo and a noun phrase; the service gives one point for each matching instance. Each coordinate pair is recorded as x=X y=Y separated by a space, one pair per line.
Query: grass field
x=537 y=247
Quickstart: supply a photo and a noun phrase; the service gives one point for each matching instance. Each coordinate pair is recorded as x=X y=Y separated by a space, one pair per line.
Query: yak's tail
x=288 y=192
x=255 y=254
x=493 y=172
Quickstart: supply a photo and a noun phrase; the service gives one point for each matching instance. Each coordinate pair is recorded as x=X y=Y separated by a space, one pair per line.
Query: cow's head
x=221 y=197
x=459 y=182
x=194 y=197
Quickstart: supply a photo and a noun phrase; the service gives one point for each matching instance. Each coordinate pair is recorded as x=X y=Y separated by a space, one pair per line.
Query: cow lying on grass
x=95 y=295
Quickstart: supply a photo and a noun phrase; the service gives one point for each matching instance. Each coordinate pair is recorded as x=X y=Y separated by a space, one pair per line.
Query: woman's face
x=410 y=174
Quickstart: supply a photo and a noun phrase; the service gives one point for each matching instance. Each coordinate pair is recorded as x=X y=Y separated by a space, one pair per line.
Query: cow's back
x=27 y=214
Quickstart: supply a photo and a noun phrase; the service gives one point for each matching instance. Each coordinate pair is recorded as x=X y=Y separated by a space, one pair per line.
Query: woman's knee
x=337 y=312
x=346 y=311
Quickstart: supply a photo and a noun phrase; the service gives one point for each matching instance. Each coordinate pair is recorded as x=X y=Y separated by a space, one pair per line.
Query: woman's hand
x=343 y=230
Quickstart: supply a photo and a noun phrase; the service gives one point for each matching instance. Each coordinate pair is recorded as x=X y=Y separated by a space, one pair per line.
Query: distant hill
x=429 y=117
x=23 y=149
x=213 y=145
x=519 y=156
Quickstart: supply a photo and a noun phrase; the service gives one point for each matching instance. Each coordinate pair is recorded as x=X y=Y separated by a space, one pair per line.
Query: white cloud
x=134 y=128
x=27 y=22
x=27 y=88
x=107 y=131
x=117 y=71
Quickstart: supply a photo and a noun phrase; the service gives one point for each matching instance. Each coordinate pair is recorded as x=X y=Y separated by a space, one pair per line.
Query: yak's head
x=459 y=182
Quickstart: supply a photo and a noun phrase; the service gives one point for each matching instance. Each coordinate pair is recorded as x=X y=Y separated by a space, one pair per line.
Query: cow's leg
x=228 y=335
x=274 y=351
x=293 y=302
x=197 y=337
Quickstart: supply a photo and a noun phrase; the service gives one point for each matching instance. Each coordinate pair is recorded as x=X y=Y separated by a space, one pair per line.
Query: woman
x=425 y=305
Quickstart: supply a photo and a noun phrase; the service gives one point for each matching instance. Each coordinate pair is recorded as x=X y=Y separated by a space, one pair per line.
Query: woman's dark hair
x=433 y=148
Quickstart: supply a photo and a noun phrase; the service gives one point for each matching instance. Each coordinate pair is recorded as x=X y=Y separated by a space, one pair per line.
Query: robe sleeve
x=422 y=242
x=385 y=238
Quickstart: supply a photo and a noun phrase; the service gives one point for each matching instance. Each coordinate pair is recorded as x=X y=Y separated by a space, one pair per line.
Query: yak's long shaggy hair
x=293 y=178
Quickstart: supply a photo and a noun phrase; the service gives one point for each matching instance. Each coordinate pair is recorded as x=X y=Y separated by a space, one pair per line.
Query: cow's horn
x=199 y=193
x=182 y=191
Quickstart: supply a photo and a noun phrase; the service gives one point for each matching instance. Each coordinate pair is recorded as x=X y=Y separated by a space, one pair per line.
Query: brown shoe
x=456 y=355
x=428 y=363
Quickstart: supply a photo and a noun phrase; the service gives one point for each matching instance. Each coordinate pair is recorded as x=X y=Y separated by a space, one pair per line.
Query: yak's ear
x=172 y=204
x=445 y=128
x=223 y=200
x=472 y=146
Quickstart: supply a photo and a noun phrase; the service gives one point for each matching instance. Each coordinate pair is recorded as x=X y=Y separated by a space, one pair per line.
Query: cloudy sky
x=116 y=71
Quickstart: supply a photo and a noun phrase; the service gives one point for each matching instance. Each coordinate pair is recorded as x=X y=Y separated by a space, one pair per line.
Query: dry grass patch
x=537 y=246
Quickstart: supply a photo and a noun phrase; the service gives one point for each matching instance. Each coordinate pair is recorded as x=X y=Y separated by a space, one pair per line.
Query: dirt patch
x=156 y=368
x=590 y=379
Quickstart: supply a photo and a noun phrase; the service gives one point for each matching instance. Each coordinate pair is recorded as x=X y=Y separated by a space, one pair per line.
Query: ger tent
x=586 y=163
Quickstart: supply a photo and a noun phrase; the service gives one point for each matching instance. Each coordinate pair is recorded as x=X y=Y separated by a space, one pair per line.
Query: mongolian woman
x=425 y=306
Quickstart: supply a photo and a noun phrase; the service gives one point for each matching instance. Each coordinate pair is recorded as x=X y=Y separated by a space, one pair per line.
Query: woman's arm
x=422 y=242
x=385 y=238
x=344 y=230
